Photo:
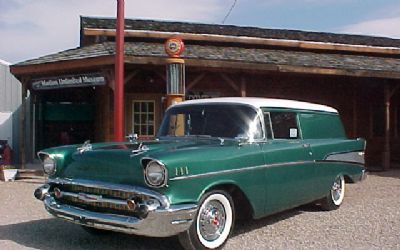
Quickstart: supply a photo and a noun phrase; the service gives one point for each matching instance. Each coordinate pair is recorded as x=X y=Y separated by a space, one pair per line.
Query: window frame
x=296 y=113
x=153 y=134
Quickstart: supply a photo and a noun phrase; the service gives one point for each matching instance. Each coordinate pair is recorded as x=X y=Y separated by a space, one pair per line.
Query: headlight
x=49 y=165
x=155 y=174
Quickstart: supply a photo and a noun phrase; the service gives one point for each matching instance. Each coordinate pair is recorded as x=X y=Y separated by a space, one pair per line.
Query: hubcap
x=212 y=220
x=337 y=189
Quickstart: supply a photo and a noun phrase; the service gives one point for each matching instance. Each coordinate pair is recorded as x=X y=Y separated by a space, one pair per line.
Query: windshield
x=215 y=120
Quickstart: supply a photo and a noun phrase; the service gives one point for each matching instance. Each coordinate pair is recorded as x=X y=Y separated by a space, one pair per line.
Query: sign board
x=69 y=81
x=193 y=95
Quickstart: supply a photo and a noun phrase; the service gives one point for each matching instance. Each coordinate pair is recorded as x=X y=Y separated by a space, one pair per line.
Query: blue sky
x=32 y=28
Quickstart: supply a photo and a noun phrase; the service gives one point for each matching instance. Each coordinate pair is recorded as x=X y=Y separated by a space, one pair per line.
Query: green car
x=213 y=161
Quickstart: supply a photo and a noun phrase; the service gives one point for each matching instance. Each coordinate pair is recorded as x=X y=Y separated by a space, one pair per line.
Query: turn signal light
x=131 y=204
x=57 y=193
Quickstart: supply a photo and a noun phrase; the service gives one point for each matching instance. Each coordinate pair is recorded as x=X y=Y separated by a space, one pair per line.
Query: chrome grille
x=106 y=205
x=107 y=200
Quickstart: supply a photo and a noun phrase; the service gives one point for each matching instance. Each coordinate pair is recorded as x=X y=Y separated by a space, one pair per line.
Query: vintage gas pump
x=174 y=47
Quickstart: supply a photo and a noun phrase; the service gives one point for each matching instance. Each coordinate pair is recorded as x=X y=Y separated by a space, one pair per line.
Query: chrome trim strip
x=117 y=187
x=244 y=169
x=340 y=162
x=239 y=170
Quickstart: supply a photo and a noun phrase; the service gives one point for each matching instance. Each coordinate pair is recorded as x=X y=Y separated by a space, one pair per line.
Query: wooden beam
x=393 y=91
x=162 y=76
x=386 y=146
x=340 y=72
x=109 y=74
x=61 y=66
x=243 y=86
x=248 y=40
x=230 y=82
x=256 y=67
x=130 y=76
x=395 y=120
x=355 y=114
x=195 y=81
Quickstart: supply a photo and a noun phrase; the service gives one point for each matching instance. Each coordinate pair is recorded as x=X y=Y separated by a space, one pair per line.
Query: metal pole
x=119 y=74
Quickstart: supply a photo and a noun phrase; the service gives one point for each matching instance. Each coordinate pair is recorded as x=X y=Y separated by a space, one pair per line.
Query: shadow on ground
x=49 y=234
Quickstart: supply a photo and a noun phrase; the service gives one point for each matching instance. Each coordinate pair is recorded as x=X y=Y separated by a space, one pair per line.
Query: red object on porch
x=119 y=74
x=7 y=155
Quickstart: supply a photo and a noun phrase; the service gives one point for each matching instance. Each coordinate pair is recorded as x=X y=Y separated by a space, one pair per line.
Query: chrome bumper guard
x=161 y=222
x=364 y=175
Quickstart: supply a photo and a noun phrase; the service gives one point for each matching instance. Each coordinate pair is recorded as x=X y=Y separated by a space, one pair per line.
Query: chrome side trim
x=351 y=157
x=239 y=170
x=244 y=169
x=164 y=201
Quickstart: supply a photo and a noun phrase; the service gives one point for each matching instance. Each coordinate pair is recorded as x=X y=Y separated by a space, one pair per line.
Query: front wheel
x=213 y=224
x=335 y=197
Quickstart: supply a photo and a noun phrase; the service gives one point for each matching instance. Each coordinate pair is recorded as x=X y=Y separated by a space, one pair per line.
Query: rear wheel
x=213 y=223
x=335 y=197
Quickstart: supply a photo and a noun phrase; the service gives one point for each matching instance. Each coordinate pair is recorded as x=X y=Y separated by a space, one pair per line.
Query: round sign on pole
x=174 y=47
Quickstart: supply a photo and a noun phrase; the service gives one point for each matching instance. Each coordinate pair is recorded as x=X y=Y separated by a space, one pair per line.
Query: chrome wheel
x=213 y=224
x=212 y=220
x=337 y=191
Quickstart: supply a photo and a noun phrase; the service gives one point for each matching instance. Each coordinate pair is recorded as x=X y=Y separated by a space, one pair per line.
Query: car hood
x=121 y=162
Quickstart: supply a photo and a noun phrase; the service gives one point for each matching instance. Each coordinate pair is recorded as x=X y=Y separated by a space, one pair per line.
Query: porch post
x=119 y=74
x=386 y=147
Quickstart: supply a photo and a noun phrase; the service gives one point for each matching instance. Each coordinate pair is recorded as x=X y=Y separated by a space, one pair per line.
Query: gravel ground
x=368 y=219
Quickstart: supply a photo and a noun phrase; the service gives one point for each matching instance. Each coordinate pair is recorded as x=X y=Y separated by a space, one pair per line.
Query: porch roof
x=225 y=57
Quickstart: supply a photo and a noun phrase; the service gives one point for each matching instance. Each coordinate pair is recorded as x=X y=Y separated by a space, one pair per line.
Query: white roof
x=263 y=102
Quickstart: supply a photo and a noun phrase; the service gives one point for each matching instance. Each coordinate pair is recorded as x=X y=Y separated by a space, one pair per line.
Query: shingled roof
x=233 y=54
x=231 y=30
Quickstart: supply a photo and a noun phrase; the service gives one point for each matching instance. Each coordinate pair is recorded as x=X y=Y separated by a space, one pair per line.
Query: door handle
x=306 y=145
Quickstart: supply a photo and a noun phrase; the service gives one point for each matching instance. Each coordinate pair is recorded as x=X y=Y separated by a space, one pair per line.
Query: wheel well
x=348 y=179
x=243 y=208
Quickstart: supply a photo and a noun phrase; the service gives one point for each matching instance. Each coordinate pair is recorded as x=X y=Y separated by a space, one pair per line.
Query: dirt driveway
x=368 y=219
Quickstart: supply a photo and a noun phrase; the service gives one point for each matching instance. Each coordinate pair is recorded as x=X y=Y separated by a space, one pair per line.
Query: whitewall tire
x=336 y=195
x=213 y=223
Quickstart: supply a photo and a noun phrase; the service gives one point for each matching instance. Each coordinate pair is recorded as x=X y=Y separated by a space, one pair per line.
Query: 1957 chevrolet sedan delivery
x=213 y=161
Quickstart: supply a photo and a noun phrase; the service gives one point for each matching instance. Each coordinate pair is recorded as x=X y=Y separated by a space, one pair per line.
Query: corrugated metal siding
x=10 y=102
x=10 y=90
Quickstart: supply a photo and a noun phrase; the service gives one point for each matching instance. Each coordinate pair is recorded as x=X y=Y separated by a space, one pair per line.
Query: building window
x=143 y=118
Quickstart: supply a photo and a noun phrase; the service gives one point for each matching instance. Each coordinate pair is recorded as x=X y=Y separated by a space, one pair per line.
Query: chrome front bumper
x=161 y=222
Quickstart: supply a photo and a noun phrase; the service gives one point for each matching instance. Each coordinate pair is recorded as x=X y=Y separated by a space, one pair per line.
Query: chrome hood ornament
x=85 y=147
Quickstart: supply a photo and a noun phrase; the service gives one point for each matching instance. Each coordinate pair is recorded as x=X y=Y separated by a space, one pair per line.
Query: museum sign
x=69 y=81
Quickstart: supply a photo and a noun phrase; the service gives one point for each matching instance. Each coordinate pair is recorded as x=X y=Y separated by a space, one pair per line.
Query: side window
x=267 y=123
x=284 y=125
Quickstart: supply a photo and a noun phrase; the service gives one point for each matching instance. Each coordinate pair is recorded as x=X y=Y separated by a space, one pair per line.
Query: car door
x=289 y=162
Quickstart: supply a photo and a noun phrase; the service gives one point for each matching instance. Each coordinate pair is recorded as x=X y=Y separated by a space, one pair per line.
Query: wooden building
x=72 y=91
